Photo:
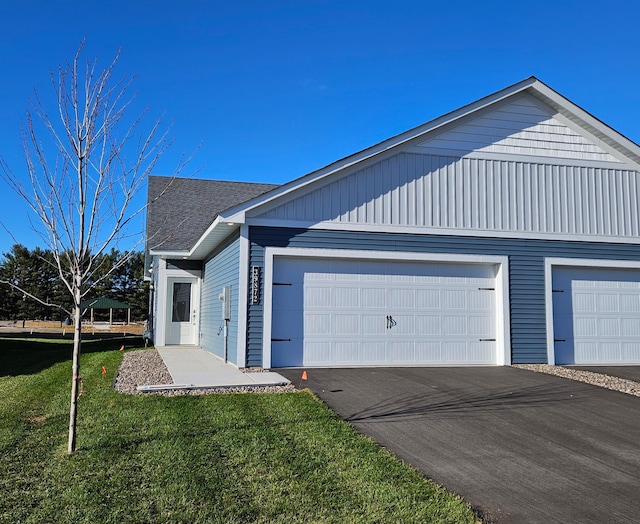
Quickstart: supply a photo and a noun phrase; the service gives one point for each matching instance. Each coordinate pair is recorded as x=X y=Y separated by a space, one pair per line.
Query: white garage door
x=596 y=316
x=361 y=312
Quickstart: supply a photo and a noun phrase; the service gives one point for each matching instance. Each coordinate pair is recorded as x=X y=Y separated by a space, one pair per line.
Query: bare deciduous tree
x=85 y=163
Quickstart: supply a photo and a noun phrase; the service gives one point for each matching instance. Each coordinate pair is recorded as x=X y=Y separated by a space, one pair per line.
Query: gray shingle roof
x=181 y=209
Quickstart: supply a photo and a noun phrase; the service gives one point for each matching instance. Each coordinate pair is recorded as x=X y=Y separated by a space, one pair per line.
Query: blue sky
x=276 y=89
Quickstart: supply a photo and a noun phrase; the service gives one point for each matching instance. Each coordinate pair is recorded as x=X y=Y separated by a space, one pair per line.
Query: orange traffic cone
x=104 y=370
x=304 y=375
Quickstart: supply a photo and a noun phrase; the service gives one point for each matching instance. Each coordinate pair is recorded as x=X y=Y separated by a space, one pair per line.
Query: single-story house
x=507 y=231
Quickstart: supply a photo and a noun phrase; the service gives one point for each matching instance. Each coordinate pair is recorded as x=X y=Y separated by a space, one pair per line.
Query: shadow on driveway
x=520 y=446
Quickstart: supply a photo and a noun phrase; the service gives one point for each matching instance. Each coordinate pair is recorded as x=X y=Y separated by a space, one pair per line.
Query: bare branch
x=33 y=297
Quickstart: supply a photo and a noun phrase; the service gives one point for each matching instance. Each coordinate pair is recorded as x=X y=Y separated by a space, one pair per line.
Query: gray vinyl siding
x=220 y=270
x=477 y=194
x=524 y=126
x=526 y=272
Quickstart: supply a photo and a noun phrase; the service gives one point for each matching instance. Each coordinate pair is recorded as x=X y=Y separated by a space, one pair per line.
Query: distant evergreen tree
x=35 y=273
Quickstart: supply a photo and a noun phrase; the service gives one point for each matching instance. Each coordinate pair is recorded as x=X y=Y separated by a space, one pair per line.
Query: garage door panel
x=404 y=325
x=481 y=299
x=454 y=299
x=375 y=313
x=630 y=327
x=429 y=352
x=454 y=325
x=584 y=302
x=401 y=298
x=630 y=303
x=480 y=351
x=316 y=296
x=428 y=299
x=346 y=324
x=455 y=351
x=608 y=303
x=428 y=325
x=480 y=325
x=402 y=352
x=316 y=353
x=346 y=353
x=374 y=352
x=373 y=324
x=346 y=297
x=318 y=324
x=631 y=351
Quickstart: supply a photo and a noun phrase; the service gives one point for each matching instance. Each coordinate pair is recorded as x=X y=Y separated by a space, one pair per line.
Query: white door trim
x=194 y=313
x=503 y=330
x=163 y=299
x=549 y=264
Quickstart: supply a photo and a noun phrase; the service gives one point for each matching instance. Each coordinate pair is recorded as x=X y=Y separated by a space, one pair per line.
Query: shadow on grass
x=24 y=354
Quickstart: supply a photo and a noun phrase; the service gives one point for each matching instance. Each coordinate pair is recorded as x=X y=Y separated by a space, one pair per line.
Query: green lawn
x=213 y=458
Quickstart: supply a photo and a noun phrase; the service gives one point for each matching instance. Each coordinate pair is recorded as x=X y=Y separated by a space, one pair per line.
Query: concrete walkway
x=192 y=366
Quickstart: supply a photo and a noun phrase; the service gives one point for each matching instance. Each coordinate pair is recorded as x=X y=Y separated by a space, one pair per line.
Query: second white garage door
x=596 y=315
x=332 y=312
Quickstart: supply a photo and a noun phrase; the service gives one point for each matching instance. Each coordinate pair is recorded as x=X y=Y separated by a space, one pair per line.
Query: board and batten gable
x=514 y=170
x=220 y=270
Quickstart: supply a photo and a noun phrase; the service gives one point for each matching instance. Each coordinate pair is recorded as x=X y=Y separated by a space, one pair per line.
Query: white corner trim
x=243 y=290
x=503 y=313
x=549 y=264
x=503 y=328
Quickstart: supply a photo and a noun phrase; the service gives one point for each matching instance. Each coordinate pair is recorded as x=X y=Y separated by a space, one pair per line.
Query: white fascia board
x=221 y=227
x=168 y=253
x=549 y=264
x=423 y=230
x=199 y=242
x=503 y=330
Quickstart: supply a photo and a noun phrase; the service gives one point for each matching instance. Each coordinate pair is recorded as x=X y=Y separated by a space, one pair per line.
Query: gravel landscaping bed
x=146 y=367
x=596 y=379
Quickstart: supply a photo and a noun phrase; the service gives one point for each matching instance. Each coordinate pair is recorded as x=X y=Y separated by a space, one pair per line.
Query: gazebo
x=106 y=303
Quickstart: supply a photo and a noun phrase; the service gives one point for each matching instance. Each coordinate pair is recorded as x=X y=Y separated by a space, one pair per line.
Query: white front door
x=182 y=313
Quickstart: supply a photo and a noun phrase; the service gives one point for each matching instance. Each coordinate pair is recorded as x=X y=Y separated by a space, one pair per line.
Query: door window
x=181 y=311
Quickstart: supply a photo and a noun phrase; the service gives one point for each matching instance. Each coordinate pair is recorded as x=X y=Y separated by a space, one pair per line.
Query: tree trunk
x=75 y=385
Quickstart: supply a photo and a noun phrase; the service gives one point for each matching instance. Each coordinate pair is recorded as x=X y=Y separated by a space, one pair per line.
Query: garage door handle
x=280 y=340
x=487 y=340
x=559 y=340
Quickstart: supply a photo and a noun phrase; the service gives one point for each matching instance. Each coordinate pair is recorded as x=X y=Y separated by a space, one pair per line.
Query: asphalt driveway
x=520 y=446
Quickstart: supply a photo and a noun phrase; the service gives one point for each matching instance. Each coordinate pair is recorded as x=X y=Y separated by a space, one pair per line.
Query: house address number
x=255 y=285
